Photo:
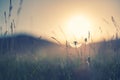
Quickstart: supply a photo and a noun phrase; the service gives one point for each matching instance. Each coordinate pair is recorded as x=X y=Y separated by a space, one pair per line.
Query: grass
x=106 y=67
x=22 y=68
x=17 y=67
x=27 y=67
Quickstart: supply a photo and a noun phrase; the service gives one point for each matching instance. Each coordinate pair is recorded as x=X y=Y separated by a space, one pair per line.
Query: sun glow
x=78 y=27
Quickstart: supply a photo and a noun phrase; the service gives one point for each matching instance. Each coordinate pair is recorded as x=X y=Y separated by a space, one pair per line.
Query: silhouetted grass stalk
x=117 y=27
x=10 y=8
x=66 y=45
x=56 y=40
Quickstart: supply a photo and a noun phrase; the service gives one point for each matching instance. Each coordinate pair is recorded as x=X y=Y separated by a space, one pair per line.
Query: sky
x=51 y=18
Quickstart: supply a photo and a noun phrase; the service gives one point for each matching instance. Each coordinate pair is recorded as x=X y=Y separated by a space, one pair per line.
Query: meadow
x=24 y=57
x=55 y=64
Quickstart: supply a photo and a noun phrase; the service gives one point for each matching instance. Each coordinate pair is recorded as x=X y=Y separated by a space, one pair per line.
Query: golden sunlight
x=78 y=27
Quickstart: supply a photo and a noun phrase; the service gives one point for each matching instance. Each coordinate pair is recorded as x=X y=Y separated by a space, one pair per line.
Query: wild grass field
x=44 y=60
x=25 y=57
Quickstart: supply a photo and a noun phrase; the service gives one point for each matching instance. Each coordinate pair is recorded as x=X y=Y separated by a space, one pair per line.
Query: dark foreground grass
x=106 y=67
x=14 y=68
x=19 y=67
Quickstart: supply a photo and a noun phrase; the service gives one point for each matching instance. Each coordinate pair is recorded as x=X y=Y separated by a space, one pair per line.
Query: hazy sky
x=45 y=17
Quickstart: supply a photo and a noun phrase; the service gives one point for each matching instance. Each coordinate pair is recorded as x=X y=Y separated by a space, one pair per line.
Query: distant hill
x=27 y=44
x=22 y=43
x=104 y=47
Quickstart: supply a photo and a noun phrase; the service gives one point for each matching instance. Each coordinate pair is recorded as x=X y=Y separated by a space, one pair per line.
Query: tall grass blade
x=56 y=40
x=105 y=21
x=10 y=8
x=20 y=7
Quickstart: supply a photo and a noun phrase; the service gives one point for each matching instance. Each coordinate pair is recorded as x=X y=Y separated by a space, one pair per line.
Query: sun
x=78 y=27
